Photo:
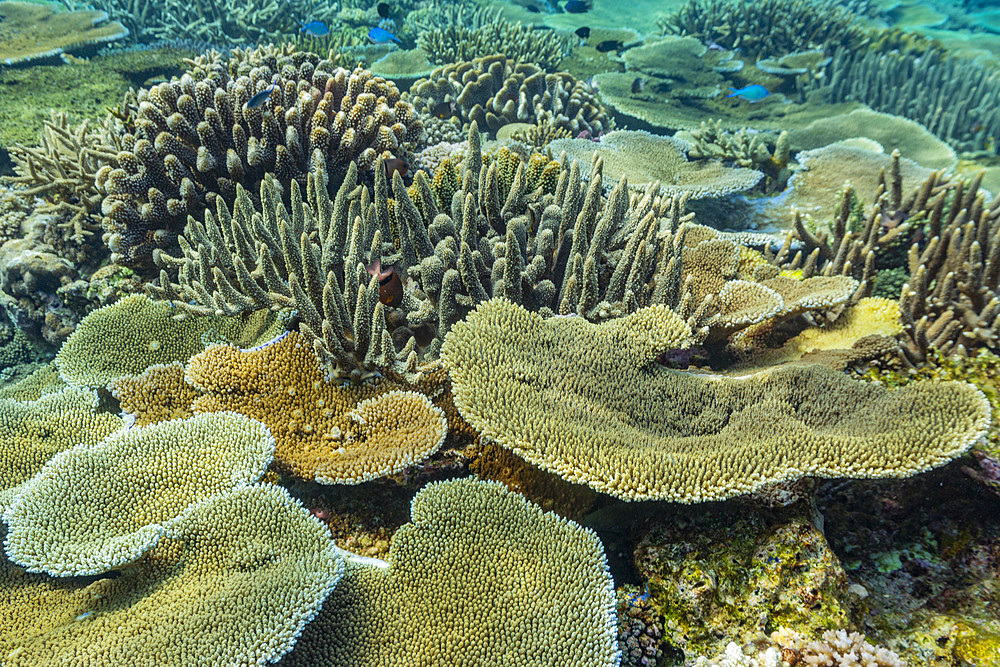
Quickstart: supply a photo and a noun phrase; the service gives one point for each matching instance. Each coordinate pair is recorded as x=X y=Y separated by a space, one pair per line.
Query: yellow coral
x=871 y=315
x=157 y=394
x=97 y=507
x=564 y=396
x=43 y=380
x=508 y=584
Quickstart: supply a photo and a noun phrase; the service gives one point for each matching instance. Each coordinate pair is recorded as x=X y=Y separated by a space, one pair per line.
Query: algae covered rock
x=30 y=31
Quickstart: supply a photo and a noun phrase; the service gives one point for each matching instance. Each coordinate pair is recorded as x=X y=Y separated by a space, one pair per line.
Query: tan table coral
x=157 y=394
x=130 y=335
x=98 y=507
x=479 y=577
x=571 y=398
x=32 y=432
x=240 y=576
x=327 y=432
x=30 y=31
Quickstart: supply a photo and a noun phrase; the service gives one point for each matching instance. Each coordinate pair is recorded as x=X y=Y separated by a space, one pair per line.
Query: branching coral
x=495 y=90
x=545 y=389
x=194 y=140
x=755 y=150
x=490 y=545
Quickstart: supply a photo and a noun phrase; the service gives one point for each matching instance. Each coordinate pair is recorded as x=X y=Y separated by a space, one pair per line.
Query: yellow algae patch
x=130 y=335
x=234 y=583
x=32 y=432
x=561 y=397
x=157 y=394
x=325 y=431
x=98 y=507
x=479 y=577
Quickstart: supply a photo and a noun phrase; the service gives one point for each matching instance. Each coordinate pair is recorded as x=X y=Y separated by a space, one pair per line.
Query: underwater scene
x=500 y=333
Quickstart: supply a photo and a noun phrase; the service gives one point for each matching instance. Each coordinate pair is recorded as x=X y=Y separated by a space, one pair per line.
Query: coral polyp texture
x=134 y=333
x=489 y=545
x=495 y=90
x=33 y=431
x=187 y=142
x=157 y=394
x=130 y=484
x=235 y=582
x=545 y=389
x=326 y=432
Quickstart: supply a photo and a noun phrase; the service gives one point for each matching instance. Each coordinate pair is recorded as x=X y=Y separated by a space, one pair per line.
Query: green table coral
x=31 y=32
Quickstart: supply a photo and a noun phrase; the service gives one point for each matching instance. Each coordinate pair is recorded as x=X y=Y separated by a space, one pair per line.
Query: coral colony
x=500 y=332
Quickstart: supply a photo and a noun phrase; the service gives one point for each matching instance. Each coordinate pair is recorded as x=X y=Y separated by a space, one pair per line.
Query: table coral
x=541 y=388
x=325 y=431
x=217 y=591
x=31 y=32
x=33 y=431
x=490 y=544
x=99 y=507
x=157 y=394
x=134 y=333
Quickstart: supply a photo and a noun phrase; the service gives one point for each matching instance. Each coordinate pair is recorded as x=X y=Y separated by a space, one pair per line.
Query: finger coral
x=325 y=431
x=490 y=544
x=594 y=408
x=495 y=90
x=132 y=334
x=235 y=582
x=189 y=141
x=32 y=432
x=99 y=507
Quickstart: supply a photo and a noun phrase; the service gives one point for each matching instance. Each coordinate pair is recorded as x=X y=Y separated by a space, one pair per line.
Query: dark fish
x=381 y=36
x=315 y=28
x=394 y=165
x=261 y=97
x=390 y=286
x=576 y=6
x=582 y=33
x=384 y=10
x=443 y=109
x=637 y=85
x=609 y=45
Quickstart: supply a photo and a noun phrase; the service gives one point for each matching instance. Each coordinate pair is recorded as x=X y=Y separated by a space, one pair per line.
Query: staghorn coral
x=769 y=27
x=325 y=432
x=495 y=90
x=156 y=394
x=194 y=140
x=645 y=158
x=98 y=352
x=99 y=507
x=216 y=591
x=491 y=544
x=32 y=431
x=31 y=32
x=461 y=37
x=545 y=388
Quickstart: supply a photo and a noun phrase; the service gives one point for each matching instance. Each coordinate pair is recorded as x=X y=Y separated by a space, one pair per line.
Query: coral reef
x=31 y=32
x=98 y=507
x=215 y=591
x=761 y=152
x=157 y=394
x=542 y=389
x=495 y=90
x=492 y=544
x=188 y=142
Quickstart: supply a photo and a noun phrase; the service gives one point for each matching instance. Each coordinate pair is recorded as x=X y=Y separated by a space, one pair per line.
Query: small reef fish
x=443 y=110
x=381 y=36
x=639 y=597
x=609 y=45
x=752 y=93
x=394 y=165
x=576 y=6
x=532 y=8
x=637 y=85
x=383 y=9
x=260 y=98
x=315 y=28
x=582 y=33
x=390 y=285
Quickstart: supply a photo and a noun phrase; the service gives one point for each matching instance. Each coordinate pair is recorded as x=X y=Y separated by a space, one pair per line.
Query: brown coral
x=157 y=394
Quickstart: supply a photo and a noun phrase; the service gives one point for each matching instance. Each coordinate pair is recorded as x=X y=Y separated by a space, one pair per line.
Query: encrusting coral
x=490 y=544
x=495 y=90
x=31 y=32
x=99 y=351
x=33 y=431
x=544 y=388
x=190 y=141
x=215 y=591
x=325 y=431
x=99 y=507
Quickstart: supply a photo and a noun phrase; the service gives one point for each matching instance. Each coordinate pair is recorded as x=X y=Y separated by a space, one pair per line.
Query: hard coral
x=31 y=32
x=194 y=140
